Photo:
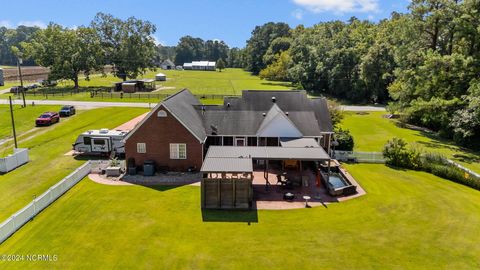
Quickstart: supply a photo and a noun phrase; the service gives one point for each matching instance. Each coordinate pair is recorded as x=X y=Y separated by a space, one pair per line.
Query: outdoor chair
x=280 y=180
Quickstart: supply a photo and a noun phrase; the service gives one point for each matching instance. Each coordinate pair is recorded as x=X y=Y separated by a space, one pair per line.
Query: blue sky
x=231 y=21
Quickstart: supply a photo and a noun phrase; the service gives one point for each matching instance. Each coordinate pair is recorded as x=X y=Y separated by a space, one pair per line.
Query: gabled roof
x=277 y=119
x=181 y=106
x=244 y=115
x=168 y=62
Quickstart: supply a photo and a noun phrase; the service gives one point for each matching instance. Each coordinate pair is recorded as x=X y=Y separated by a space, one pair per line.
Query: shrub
x=344 y=140
x=397 y=154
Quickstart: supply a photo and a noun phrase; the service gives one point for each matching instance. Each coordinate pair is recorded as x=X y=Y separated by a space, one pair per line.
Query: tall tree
x=259 y=43
x=189 y=49
x=128 y=44
x=66 y=52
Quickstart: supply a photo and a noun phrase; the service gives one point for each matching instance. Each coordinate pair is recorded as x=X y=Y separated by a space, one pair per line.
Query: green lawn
x=24 y=118
x=48 y=164
x=8 y=85
x=371 y=131
x=228 y=82
x=408 y=220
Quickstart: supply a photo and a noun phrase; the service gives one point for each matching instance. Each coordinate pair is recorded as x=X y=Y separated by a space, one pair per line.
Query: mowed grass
x=228 y=82
x=371 y=132
x=24 y=118
x=408 y=220
x=48 y=164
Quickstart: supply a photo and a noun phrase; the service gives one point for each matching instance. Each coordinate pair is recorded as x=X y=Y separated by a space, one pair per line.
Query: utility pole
x=13 y=122
x=19 y=62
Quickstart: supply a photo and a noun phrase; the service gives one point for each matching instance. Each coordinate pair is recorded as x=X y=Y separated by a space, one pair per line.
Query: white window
x=141 y=148
x=178 y=151
x=162 y=113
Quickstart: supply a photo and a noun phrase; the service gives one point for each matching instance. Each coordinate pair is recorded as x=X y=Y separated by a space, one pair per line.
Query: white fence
x=363 y=157
x=10 y=162
x=17 y=220
x=463 y=168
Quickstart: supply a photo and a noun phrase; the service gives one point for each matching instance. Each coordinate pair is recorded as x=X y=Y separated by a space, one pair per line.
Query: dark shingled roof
x=181 y=105
x=244 y=115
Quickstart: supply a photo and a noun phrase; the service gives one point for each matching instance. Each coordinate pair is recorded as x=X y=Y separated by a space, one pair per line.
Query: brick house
x=179 y=130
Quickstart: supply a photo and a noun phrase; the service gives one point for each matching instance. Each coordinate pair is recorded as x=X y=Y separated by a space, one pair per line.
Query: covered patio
x=286 y=173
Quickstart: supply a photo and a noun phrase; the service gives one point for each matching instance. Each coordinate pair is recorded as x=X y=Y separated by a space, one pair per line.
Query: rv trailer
x=103 y=142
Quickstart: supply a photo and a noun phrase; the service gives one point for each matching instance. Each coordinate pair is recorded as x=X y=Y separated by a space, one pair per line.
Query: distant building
x=1 y=78
x=200 y=65
x=132 y=86
x=167 y=64
x=160 y=77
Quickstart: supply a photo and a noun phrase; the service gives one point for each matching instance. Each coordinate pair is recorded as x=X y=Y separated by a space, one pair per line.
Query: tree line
x=425 y=63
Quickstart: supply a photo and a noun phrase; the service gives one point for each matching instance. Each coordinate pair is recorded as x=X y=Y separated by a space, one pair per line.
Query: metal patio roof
x=239 y=158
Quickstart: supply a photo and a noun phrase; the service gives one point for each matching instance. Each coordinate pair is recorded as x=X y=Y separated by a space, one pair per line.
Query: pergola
x=228 y=169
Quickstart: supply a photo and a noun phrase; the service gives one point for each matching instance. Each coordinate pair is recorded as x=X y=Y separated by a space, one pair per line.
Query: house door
x=240 y=141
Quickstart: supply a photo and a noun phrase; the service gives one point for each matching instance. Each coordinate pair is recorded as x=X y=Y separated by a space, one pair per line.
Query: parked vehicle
x=16 y=90
x=32 y=86
x=47 y=118
x=49 y=83
x=103 y=141
x=67 y=110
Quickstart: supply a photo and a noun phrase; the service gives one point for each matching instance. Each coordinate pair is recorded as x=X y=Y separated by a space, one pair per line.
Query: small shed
x=167 y=64
x=160 y=77
x=132 y=86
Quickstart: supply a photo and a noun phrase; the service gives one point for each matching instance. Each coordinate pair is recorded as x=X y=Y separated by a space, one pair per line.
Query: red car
x=47 y=118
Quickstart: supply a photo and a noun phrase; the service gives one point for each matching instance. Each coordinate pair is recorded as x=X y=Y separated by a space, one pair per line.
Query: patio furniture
x=306 y=198
x=288 y=196
x=280 y=180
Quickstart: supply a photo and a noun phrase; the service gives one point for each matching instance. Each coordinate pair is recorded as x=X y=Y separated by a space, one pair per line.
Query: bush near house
x=344 y=139
x=397 y=153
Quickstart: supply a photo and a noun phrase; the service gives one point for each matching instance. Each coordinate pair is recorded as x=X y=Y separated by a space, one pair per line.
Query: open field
x=371 y=132
x=397 y=225
x=24 y=118
x=48 y=164
x=227 y=82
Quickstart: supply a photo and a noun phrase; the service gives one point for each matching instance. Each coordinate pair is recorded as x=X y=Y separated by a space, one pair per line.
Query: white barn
x=200 y=65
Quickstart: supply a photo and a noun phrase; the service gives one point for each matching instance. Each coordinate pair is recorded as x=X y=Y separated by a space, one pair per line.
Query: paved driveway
x=100 y=104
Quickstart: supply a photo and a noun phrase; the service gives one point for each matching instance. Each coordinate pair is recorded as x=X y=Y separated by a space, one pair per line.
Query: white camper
x=103 y=141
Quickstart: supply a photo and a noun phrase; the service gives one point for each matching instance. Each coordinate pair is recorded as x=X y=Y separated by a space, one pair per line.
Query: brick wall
x=158 y=133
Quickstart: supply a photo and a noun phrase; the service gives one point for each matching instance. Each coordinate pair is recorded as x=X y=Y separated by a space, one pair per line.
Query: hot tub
x=337 y=184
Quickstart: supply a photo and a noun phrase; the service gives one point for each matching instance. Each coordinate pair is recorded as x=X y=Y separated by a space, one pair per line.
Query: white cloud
x=32 y=23
x=298 y=14
x=6 y=24
x=339 y=6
